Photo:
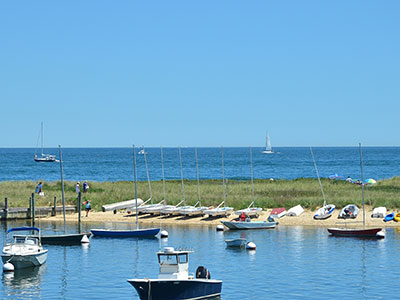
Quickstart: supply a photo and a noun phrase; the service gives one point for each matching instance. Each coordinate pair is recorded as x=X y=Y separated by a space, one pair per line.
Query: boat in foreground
x=240 y=242
x=144 y=232
x=24 y=251
x=240 y=225
x=362 y=233
x=174 y=281
x=64 y=239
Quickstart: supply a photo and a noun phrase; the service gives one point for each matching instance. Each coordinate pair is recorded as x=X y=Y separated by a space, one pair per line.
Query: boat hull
x=362 y=233
x=249 y=225
x=25 y=260
x=64 y=239
x=147 y=232
x=236 y=242
x=174 y=289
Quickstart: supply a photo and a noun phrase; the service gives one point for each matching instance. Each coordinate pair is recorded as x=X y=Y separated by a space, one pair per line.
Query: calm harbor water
x=115 y=164
x=289 y=263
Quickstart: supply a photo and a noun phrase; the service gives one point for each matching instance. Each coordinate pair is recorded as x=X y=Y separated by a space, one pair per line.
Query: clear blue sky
x=205 y=73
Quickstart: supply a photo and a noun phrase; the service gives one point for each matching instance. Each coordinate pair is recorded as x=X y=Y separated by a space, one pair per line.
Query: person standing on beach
x=88 y=206
x=77 y=189
x=85 y=186
x=39 y=188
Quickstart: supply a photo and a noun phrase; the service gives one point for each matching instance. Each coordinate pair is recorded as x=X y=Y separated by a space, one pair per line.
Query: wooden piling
x=6 y=208
x=33 y=209
x=54 y=208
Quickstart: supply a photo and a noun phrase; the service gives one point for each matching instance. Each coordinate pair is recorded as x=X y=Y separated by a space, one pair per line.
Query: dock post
x=5 y=208
x=54 y=209
x=33 y=209
x=79 y=207
x=28 y=212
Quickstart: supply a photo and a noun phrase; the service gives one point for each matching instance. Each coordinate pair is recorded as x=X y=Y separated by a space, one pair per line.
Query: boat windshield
x=167 y=259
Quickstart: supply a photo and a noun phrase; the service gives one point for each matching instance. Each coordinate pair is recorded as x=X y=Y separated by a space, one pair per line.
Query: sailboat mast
x=134 y=179
x=362 y=185
x=198 y=176
x=319 y=180
x=62 y=183
x=147 y=173
x=223 y=174
x=162 y=170
x=41 y=136
x=183 y=184
x=252 y=176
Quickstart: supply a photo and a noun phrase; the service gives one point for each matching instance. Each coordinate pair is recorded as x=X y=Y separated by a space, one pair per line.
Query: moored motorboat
x=246 y=225
x=349 y=212
x=116 y=233
x=24 y=251
x=174 y=281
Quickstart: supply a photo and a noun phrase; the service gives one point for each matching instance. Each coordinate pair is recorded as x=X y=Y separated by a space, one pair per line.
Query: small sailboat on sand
x=326 y=210
x=359 y=232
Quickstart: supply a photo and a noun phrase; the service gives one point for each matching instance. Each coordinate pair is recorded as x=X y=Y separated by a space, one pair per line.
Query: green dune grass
x=268 y=194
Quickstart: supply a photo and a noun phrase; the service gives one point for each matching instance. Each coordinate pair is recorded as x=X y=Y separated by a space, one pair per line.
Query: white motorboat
x=24 y=251
x=43 y=157
x=268 y=147
x=245 y=225
x=174 y=280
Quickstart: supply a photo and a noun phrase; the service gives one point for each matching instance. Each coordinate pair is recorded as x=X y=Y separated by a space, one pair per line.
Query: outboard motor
x=202 y=272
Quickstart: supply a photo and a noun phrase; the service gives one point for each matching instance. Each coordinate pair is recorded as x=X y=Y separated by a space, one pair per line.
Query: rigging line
x=147 y=173
x=319 y=180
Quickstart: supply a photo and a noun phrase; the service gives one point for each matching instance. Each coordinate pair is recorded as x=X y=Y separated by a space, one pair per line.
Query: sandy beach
x=305 y=219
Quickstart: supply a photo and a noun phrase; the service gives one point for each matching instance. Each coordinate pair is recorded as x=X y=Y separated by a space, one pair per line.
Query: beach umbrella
x=370 y=181
x=335 y=176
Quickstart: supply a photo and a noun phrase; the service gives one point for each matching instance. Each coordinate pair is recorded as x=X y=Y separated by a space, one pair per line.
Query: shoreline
x=305 y=219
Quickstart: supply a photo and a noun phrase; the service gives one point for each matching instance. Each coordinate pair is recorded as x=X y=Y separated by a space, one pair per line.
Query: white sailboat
x=251 y=210
x=221 y=209
x=268 y=147
x=43 y=157
x=197 y=209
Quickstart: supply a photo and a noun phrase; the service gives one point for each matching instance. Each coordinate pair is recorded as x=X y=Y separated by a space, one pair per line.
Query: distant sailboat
x=268 y=147
x=44 y=157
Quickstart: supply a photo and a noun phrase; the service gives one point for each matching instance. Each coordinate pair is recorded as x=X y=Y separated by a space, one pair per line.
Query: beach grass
x=267 y=193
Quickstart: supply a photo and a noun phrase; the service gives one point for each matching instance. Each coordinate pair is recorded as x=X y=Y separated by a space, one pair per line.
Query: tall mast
x=147 y=173
x=41 y=136
x=252 y=176
x=319 y=180
x=162 y=171
x=198 y=176
x=183 y=185
x=362 y=185
x=134 y=179
x=62 y=183
x=223 y=174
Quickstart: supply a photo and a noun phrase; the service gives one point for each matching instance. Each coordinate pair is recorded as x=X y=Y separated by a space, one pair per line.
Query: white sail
x=268 y=147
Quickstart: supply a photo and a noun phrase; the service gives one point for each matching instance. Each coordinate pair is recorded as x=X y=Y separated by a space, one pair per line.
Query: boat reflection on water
x=24 y=283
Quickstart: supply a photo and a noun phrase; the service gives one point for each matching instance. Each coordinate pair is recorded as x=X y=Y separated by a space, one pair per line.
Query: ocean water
x=116 y=164
x=289 y=263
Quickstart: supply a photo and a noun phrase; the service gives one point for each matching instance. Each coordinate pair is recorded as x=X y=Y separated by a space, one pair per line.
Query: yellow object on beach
x=397 y=217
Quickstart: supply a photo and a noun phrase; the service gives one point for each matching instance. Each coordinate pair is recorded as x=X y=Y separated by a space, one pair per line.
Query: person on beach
x=349 y=179
x=39 y=188
x=77 y=188
x=85 y=186
x=88 y=206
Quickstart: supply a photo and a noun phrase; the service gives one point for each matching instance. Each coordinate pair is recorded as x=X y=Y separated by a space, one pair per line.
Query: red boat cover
x=278 y=211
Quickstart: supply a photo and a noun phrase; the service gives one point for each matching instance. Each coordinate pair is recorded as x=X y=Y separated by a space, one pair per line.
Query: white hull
x=222 y=211
x=268 y=152
x=255 y=211
x=194 y=211
x=250 y=225
x=25 y=260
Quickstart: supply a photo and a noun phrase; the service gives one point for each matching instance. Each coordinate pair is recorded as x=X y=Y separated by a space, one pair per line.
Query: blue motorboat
x=143 y=232
x=174 y=281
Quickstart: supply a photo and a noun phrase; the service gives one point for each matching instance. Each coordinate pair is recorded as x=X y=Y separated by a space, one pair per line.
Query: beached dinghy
x=174 y=281
x=363 y=232
x=389 y=217
x=24 y=251
x=379 y=212
x=295 y=211
x=349 y=212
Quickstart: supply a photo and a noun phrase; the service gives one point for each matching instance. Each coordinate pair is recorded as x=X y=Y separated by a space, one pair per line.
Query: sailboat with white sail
x=43 y=157
x=221 y=209
x=251 y=210
x=268 y=147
